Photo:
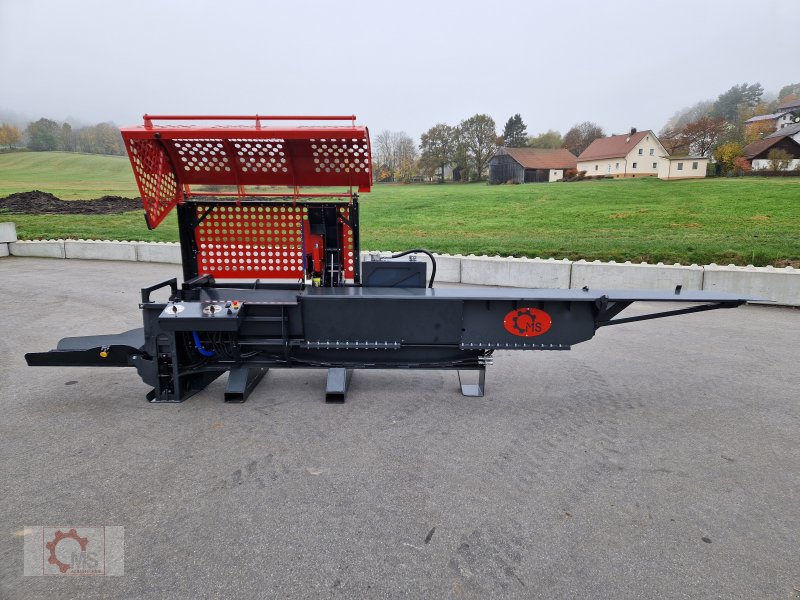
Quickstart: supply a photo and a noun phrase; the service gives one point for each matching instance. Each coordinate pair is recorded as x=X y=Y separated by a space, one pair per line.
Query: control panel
x=208 y=315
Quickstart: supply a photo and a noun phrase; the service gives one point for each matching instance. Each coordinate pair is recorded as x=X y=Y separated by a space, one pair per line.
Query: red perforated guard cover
x=158 y=185
x=164 y=159
x=259 y=241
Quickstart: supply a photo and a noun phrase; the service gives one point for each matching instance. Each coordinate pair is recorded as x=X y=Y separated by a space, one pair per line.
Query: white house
x=789 y=111
x=633 y=154
x=786 y=115
x=682 y=167
x=776 y=119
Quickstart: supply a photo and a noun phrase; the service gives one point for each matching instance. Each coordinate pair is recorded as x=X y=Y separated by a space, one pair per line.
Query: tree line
x=47 y=135
x=710 y=128
x=719 y=129
x=716 y=128
x=465 y=148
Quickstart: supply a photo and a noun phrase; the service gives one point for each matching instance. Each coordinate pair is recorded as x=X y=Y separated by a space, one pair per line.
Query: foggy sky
x=396 y=65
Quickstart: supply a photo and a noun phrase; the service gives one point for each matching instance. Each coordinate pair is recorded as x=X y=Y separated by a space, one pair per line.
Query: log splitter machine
x=273 y=278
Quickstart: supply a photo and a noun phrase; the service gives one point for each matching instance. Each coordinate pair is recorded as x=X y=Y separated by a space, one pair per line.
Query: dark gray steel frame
x=339 y=328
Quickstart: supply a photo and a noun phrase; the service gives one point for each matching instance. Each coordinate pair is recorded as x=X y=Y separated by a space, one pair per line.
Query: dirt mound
x=37 y=203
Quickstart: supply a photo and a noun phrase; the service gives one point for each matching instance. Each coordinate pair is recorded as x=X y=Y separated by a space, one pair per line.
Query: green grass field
x=741 y=221
x=68 y=175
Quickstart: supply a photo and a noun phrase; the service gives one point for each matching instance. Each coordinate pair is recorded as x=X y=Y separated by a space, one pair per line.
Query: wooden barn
x=530 y=165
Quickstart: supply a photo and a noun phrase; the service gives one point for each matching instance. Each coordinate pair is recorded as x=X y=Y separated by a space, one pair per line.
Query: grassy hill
x=68 y=175
x=750 y=220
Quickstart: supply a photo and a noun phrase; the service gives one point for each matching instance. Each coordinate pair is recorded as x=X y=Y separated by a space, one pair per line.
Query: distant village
x=737 y=134
x=641 y=154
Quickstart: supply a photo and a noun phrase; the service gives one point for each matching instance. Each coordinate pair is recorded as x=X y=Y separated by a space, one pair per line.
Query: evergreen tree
x=515 y=133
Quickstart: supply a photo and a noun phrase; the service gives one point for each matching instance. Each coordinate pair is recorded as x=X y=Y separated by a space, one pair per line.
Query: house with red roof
x=530 y=165
x=637 y=154
x=634 y=154
x=758 y=152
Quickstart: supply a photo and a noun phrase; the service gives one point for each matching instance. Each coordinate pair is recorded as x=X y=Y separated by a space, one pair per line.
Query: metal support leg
x=241 y=382
x=338 y=380
x=471 y=389
x=180 y=388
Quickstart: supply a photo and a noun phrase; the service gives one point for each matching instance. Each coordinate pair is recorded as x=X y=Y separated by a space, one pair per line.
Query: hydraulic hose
x=199 y=346
x=421 y=251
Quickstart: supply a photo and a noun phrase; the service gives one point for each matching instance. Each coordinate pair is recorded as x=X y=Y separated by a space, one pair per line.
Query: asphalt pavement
x=659 y=460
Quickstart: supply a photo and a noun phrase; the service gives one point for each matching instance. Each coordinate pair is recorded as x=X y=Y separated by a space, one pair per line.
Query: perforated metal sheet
x=251 y=241
x=170 y=159
x=272 y=161
x=259 y=241
x=157 y=183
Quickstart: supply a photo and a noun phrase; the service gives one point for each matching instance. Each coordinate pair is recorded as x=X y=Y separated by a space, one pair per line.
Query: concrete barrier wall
x=40 y=248
x=448 y=268
x=779 y=285
x=635 y=276
x=159 y=252
x=8 y=233
x=523 y=272
x=95 y=250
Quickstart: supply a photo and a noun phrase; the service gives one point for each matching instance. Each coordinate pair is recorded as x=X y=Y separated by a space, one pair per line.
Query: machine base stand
x=185 y=388
x=473 y=390
x=338 y=380
x=241 y=382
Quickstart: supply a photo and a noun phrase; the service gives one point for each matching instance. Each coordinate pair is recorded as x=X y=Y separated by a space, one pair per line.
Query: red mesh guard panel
x=155 y=178
x=258 y=241
x=273 y=161
x=251 y=241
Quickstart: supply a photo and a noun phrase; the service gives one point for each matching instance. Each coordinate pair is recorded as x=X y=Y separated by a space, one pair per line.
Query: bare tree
x=478 y=136
x=405 y=157
x=383 y=149
x=394 y=151
x=578 y=138
x=701 y=136
x=672 y=140
x=438 y=146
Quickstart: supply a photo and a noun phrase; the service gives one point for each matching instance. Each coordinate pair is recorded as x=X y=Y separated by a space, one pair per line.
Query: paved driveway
x=661 y=459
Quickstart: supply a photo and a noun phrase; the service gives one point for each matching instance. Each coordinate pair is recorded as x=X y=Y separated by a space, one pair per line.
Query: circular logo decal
x=527 y=322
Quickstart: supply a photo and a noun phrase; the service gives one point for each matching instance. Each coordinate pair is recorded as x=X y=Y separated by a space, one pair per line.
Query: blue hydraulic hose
x=199 y=346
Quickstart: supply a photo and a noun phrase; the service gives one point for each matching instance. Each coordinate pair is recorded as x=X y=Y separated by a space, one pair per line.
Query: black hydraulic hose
x=421 y=251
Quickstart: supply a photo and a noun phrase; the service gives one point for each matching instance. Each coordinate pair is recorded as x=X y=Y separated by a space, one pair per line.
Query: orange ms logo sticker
x=527 y=322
